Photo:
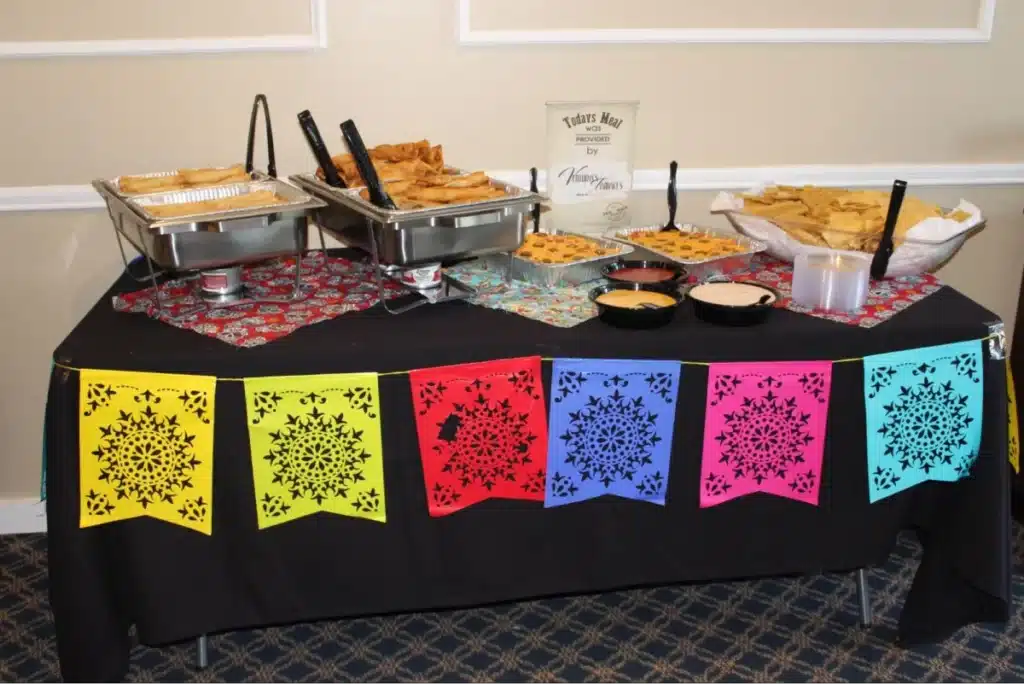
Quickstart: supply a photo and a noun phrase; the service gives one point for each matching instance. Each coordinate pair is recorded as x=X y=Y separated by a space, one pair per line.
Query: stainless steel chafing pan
x=205 y=241
x=410 y=237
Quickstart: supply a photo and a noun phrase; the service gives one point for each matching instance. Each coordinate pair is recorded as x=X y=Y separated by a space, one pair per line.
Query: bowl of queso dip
x=731 y=303
x=635 y=305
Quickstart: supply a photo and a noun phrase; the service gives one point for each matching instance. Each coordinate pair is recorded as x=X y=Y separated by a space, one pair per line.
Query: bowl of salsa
x=662 y=273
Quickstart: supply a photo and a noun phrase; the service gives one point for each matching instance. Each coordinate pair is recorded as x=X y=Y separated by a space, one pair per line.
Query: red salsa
x=642 y=275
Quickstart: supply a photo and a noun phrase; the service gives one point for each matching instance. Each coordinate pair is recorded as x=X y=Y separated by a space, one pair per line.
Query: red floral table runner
x=332 y=289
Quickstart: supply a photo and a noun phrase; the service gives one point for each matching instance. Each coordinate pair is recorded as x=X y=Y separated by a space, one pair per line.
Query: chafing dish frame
x=420 y=236
x=242 y=236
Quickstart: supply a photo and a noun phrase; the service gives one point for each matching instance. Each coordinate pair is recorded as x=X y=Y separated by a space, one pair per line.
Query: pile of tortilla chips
x=837 y=218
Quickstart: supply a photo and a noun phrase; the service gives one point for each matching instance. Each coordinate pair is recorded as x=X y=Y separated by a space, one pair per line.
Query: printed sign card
x=590 y=164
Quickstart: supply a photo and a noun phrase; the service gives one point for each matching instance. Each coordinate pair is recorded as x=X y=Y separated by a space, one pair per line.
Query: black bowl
x=678 y=272
x=636 y=319
x=721 y=314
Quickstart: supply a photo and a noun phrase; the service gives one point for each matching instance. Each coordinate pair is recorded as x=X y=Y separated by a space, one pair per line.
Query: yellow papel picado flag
x=1012 y=427
x=146 y=447
x=316 y=446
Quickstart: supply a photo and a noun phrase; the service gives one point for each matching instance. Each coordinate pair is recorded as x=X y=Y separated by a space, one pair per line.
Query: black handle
x=673 y=197
x=319 y=149
x=536 y=208
x=880 y=262
x=271 y=157
x=361 y=155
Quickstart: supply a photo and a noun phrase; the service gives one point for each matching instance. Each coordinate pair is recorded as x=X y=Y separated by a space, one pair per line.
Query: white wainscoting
x=314 y=40
x=78 y=197
x=22 y=516
x=979 y=33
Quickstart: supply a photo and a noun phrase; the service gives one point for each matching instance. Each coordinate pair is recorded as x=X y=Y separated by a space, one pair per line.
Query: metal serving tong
x=673 y=198
x=536 y=207
x=251 y=144
x=880 y=262
x=378 y=195
x=319 y=149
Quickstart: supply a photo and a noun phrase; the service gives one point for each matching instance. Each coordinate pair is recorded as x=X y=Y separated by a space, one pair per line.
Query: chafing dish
x=411 y=237
x=207 y=241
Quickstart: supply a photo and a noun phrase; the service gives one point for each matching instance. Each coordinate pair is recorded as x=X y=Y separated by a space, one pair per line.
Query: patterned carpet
x=771 y=630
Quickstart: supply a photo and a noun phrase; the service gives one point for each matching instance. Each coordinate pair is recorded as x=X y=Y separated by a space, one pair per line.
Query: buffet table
x=175 y=584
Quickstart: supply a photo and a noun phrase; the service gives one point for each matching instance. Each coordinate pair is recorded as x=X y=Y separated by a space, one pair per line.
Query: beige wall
x=395 y=66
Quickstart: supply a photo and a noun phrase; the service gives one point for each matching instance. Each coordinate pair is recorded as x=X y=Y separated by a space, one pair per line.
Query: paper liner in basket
x=926 y=245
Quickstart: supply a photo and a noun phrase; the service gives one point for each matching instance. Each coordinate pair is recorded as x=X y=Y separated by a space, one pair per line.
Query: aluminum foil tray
x=292 y=196
x=563 y=275
x=116 y=182
x=700 y=269
x=350 y=196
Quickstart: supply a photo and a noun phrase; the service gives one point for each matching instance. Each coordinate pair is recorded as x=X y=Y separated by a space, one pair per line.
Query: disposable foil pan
x=116 y=182
x=351 y=197
x=563 y=275
x=701 y=268
x=292 y=197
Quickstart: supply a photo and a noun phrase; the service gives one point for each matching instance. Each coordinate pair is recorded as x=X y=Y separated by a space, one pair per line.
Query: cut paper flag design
x=146 y=448
x=482 y=432
x=315 y=442
x=611 y=429
x=1013 y=422
x=924 y=410
x=764 y=430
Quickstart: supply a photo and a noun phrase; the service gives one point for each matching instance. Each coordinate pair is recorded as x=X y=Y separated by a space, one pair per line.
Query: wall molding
x=981 y=32
x=316 y=39
x=22 y=516
x=82 y=197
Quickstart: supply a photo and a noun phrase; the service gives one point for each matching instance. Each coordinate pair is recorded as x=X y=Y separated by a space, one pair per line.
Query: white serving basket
x=926 y=247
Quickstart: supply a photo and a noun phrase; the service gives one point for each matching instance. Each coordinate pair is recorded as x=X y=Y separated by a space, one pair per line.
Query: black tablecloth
x=175 y=584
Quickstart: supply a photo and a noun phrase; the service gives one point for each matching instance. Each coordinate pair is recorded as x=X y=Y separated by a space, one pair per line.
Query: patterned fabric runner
x=335 y=289
x=560 y=307
x=886 y=298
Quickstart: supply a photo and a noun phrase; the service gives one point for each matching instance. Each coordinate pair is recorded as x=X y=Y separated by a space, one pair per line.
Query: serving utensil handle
x=673 y=196
x=319 y=149
x=361 y=155
x=250 y=146
x=880 y=262
x=536 y=208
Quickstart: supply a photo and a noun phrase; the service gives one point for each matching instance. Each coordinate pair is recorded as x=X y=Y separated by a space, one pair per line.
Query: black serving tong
x=536 y=207
x=880 y=262
x=378 y=195
x=673 y=198
x=250 y=146
x=319 y=149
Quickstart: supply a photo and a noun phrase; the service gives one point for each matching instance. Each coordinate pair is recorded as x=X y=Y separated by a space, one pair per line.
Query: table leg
x=864 y=597
x=202 y=653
